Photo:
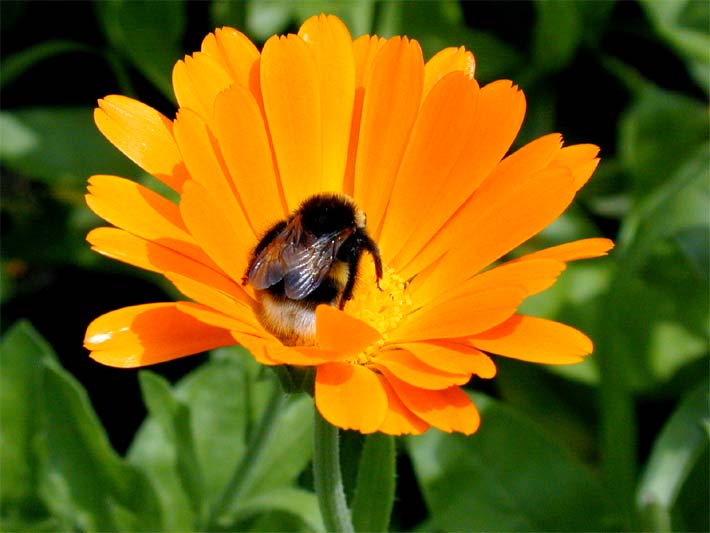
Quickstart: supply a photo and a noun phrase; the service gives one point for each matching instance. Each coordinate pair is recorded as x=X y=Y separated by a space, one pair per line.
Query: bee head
x=327 y=213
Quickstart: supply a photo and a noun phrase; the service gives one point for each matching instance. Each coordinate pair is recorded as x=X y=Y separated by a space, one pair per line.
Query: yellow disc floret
x=383 y=307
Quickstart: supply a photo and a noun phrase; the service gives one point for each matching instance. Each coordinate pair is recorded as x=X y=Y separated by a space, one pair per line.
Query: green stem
x=243 y=473
x=374 y=493
x=327 y=478
x=618 y=420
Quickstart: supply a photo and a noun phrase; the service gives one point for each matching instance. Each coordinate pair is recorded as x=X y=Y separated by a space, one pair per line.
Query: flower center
x=381 y=307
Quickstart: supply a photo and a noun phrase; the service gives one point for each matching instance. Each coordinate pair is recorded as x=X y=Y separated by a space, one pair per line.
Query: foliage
x=617 y=442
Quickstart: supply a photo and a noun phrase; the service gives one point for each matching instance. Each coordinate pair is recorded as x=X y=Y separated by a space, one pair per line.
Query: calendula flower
x=420 y=148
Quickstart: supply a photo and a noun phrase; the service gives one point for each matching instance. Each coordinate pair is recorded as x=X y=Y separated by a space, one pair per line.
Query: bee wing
x=269 y=267
x=309 y=262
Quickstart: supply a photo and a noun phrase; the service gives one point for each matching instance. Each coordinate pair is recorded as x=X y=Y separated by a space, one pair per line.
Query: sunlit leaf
x=84 y=480
x=684 y=24
x=174 y=419
x=265 y=18
x=657 y=308
x=60 y=146
x=509 y=476
x=149 y=34
x=21 y=354
x=289 y=450
x=658 y=133
x=675 y=453
x=224 y=399
x=297 y=502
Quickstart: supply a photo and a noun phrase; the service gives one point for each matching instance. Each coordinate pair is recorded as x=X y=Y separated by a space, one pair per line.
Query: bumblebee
x=311 y=258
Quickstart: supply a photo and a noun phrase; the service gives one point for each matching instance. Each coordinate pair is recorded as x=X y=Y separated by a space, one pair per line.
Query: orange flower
x=419 y=147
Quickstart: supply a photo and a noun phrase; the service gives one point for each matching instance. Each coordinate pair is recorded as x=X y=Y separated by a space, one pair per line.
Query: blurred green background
x=619 y=442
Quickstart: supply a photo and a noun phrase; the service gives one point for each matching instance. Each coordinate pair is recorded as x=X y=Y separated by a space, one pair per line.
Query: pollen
x=381 y=307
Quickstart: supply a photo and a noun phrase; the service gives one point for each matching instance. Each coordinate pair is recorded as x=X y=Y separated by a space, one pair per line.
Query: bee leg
x=369 y=245
x=353 y=262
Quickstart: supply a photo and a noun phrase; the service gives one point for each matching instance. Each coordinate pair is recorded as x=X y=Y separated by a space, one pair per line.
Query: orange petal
x=365 y=50
x=445 y=61
x=436 y=144
x=123 y=246
x=581 y=159
x=225 y=237
x=457 y=357
x=303 y=355
x=197 y=81
x=350 y=397
x=494 y=126
x=412 y=370
x=290 y=87
x=241 y=332
x=399 y=420
x=448 y=410
x=207 y=167
x=533 y=276
x=236 y=54
x=461 y=316
x=392 y=97
x=204 y=293
x=572 y=251
x=332 y=48
x=490 y=225
x=513 y=171
x=340 y=332
x=140 y=211
x=245 y=144
x=143 y=135
x=536 y=340
x=148 y=334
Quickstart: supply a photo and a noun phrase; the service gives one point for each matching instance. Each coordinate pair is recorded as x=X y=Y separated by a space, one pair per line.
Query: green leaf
x=673 y=208
x=21 y=354
x=374 y=495
x=684 y=25
x=437 y=25
x=265 y=18
x=20 y=62
x=228 y=13
x=84 y=481
x=60 y=146
x=224 y=398
x=510 y=476
x=149 y=34
x=154 y=452
x=294 y=501
x=289 y=451
x=675 y=453
x=657 y=305
x=556 y=34
x=174 y=419
x=559 y=405
x=658 y=134
x=358 y=15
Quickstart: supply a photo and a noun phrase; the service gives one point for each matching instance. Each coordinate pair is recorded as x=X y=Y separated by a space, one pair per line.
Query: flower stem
x=327 y=477
x=243 y=473
x=374 y=493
